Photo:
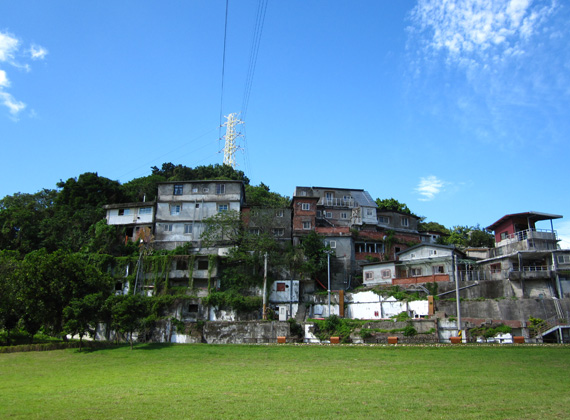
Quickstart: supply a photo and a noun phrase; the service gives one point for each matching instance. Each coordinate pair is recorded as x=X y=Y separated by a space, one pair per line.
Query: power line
x=255 y=42
x=223 y=72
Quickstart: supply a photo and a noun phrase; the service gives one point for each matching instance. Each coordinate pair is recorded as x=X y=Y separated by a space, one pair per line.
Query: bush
x=410 y=331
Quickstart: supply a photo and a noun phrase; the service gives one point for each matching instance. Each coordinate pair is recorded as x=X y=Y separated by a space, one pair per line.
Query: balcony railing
x=522 y=235
x=337 y=202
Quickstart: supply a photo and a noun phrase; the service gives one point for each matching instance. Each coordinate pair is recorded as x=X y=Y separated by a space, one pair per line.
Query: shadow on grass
x=152 y=346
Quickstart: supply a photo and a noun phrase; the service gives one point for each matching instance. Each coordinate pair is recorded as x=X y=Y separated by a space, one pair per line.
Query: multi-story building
x=527 y=256
x=182 y=207
x=353 y=226
x=422 y=263
x=137 y=218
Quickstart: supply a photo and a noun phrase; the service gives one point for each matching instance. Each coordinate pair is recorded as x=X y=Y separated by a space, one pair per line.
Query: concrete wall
x=244 y=332
x=505 y=309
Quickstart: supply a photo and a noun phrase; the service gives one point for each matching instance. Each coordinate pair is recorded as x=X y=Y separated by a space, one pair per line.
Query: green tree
x=10 y=307
x=261 y=196
x=466 y=236
x=222 y=228
x=82 y=315
x=391 y=204
x=432 y=227
x=48 y=282
x=315 y=258
x=128 y=313
x=22 y=218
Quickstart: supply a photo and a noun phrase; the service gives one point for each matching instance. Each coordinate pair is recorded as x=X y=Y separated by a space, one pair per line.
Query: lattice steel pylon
x=230 y=146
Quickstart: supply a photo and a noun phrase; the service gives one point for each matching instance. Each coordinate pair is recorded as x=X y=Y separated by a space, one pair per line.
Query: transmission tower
x=230 y=146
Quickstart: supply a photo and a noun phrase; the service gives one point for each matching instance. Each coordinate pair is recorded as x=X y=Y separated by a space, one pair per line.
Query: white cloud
x=563 y=230
x=471 y=31
x=4 y=82
x=13 y=105
x=37 y=52
x=9 y=48
x=429 y=186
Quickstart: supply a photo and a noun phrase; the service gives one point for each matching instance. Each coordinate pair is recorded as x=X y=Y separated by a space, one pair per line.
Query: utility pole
x=329 y=252
x=455 y=274
x=230 y=146
x=265 y=288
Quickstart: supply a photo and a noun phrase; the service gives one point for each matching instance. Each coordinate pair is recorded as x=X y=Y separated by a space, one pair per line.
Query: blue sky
x=458 y=108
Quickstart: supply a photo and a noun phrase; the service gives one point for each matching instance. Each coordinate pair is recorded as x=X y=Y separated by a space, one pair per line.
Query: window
x=279 y=232
x=202 y=264
x=205 y=190
x=504 y=235
x=125 y=212
x=318 y=213
x=415 y=272
x=145 y=210
x=303 y=193
x=175 y=209
x=279 y=213
x=222 y=208
x=220 y=188
x=329 y=195
x=563 y=259
x=178 y=189
x=412 y=255
x=383 y=219
x=438 y=269
x=254 y=231
x=305 y=206
x=187 y=228
x=386 y=274
x=197 y=205
x=195 y=190
x=405 y=221
x=167 y=227
x=192 y=307
x=280 y=287
x=369 y=275
x=306 y=225
x=369 y=212
x=432 y=252
x=344 y=215
x=181 y=264
x=496 y=268
x=328 y=214
x=346 y=197
x=332 y=244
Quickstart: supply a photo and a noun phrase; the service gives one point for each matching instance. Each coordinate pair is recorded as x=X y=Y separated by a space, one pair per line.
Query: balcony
x=421 y=279
x=531 y=272
x=540 y=234
x=337 y=202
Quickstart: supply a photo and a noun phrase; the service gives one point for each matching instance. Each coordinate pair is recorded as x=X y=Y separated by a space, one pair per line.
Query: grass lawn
x=234 y=381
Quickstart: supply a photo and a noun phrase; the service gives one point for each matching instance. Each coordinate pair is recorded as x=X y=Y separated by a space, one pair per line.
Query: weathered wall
x=507 y=309
x=244 y=332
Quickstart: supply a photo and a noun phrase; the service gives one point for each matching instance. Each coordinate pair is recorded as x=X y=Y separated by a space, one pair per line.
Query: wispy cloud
x=429 y=187
x=9 y=48
x=497 y=68
x=563 y=230
x=38 y=52
x=476 y=32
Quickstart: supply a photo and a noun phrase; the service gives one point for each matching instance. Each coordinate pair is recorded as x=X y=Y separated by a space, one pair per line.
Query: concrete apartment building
x=181 y=208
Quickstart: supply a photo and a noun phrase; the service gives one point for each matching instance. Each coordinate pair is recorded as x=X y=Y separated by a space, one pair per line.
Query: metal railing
x=336 y=202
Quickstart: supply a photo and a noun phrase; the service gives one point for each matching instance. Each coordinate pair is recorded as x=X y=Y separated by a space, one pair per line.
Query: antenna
x=230 y=146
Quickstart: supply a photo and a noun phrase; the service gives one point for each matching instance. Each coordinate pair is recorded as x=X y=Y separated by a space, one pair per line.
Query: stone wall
x=246 y=332
x=506 y=309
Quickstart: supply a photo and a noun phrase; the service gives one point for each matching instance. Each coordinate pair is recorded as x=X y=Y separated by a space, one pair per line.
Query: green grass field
x=233 y=381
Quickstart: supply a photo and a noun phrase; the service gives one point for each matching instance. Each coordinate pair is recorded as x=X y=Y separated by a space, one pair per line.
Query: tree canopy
x=391 y=204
